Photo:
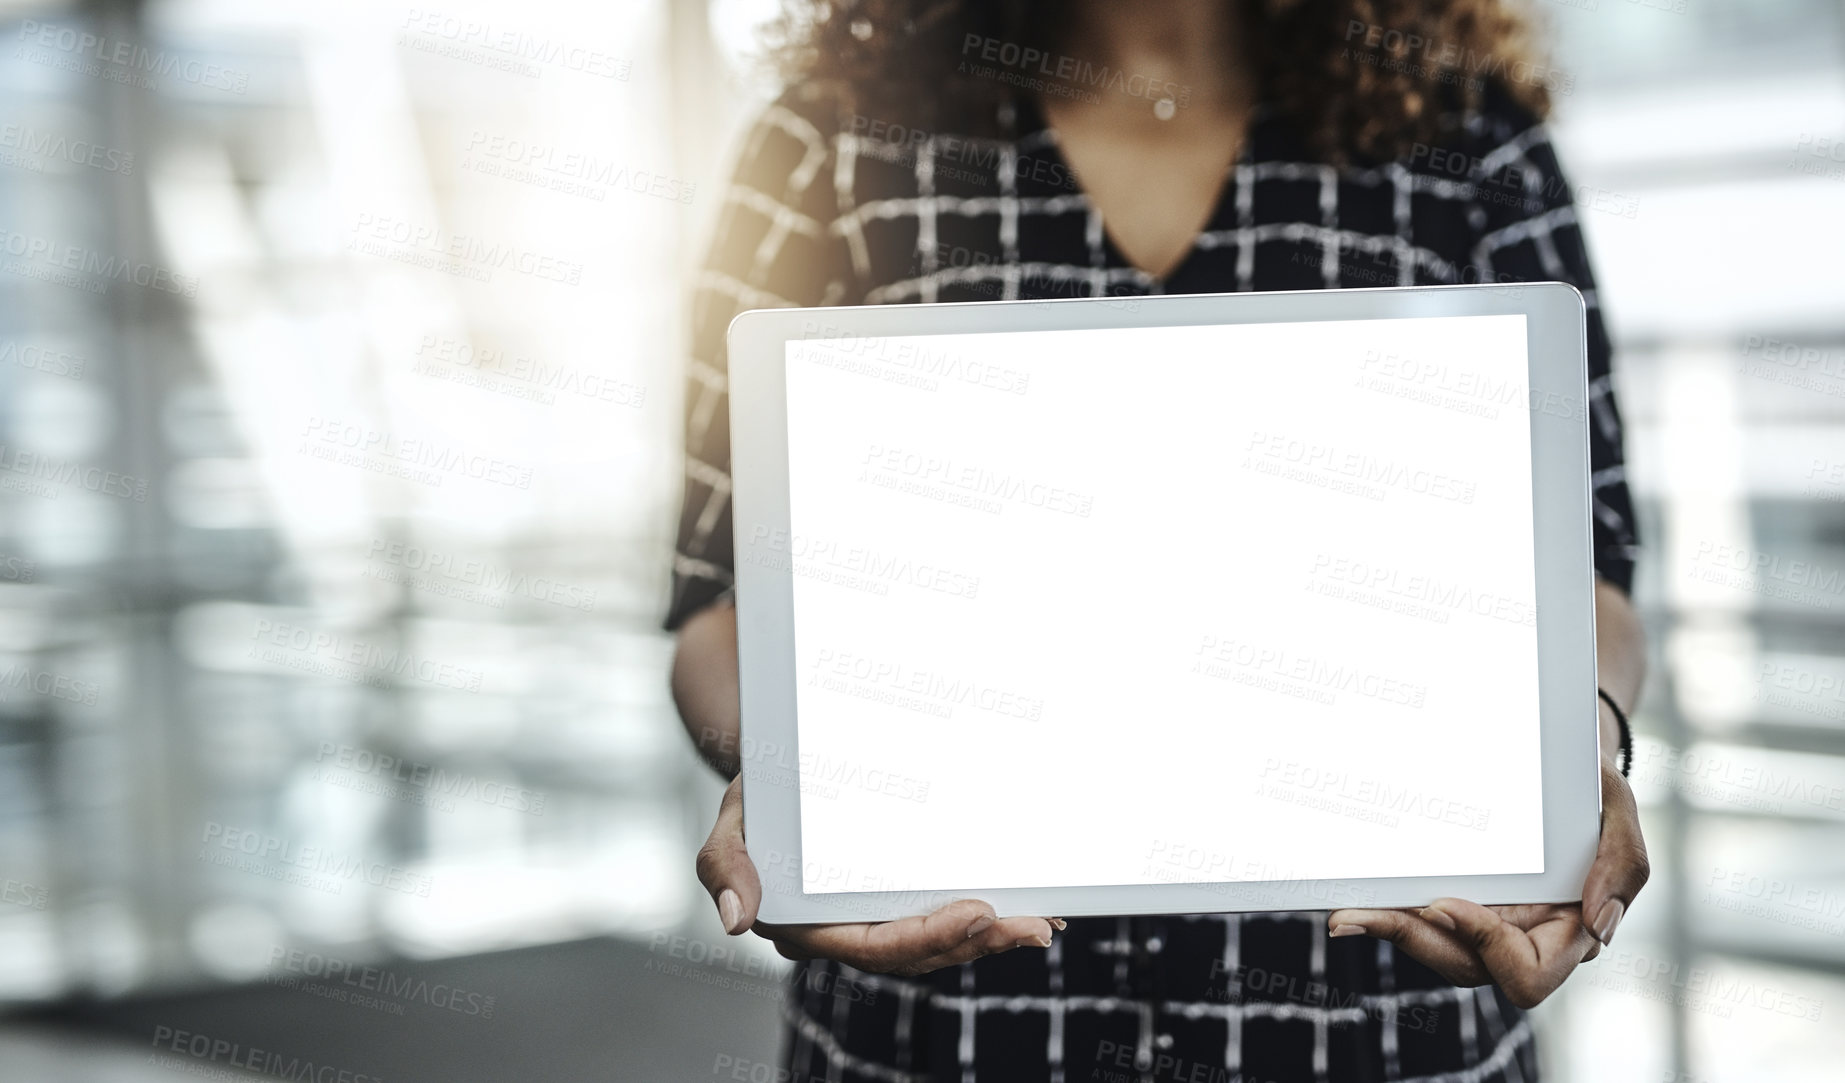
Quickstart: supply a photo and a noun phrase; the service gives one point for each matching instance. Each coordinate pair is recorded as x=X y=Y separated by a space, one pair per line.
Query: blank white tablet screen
x=1155 y=605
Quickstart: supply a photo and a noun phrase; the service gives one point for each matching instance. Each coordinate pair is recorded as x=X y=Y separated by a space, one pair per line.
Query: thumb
x=725 y=868
x=1620 y=869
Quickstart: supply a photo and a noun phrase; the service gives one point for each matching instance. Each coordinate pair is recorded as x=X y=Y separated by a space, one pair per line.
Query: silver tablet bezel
x=1570 y=735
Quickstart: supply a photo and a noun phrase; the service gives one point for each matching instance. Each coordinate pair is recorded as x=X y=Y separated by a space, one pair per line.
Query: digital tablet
x=1171 y=604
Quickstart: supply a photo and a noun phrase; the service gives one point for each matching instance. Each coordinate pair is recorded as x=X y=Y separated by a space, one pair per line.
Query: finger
x=891 y=947
x=1620 y=869
x=1005 y=935
x=1434 y=947
x=1527 y=965
x=725 y=868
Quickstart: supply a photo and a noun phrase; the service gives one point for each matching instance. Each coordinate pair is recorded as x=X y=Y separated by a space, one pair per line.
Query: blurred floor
x=588 y=1010
x=62 y=1055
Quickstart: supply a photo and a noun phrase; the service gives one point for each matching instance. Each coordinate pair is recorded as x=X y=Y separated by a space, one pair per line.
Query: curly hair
x=1362 y=80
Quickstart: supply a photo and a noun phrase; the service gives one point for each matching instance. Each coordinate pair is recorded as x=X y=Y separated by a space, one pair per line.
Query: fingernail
x=1059 y=924
x=1437 y=916
x=1033 y=942
x=1612 y=912
x=730 y=911
x=980 y=924
x=1347 y=930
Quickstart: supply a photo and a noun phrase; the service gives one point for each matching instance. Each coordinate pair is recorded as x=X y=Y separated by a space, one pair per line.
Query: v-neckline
x=1113 y=256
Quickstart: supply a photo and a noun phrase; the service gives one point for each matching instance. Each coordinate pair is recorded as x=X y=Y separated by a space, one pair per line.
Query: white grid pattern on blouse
x=1387 y=984
x=1471 y=1007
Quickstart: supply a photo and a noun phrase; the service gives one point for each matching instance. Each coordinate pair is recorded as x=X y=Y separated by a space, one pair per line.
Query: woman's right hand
x=957 y=933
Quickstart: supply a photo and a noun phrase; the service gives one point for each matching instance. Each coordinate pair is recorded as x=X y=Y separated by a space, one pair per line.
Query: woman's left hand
x=1526 y=950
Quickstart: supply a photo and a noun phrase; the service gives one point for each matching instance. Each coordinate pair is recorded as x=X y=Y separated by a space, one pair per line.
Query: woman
x=949 y=150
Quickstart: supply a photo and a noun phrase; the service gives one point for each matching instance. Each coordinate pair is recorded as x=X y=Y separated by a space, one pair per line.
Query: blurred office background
x=338 y=469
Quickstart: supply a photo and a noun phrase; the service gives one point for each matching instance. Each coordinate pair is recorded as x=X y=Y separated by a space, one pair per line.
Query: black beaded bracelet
x=1626 y=759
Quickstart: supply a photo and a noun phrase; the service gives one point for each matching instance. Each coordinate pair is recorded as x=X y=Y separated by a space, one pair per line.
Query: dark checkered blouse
x=831 y=209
